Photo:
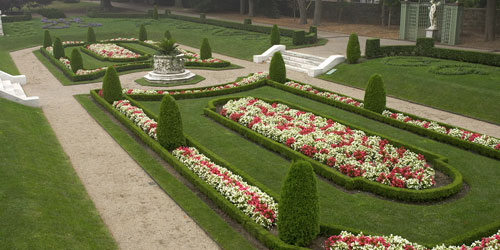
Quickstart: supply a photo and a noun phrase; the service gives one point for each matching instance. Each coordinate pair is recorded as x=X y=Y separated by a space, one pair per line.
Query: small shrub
x=353 y=51
x=298 y=222
x=299 y=37
x=76 y=60
x=168 y=12
x=155 y=13
x=111 y=86
x=91 y=35
x=205 y=50
x=169 y=131
x=313 y=30
x=277 y=69
x=424 y=45
x=143 y=34
x=247 y=21
x=47 y=41
x=275 y=35
x=375 y=94
x=51 y=13
x=203 y=16
x=58 y=48
x=168 y=36
x=372 y=48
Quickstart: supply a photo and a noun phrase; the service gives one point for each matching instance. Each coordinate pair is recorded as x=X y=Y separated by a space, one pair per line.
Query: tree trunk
x=178 y=3
x=251 y=8
x=242 y=7
x=389 y=19
x=340 y=10
x=489 y=32
x=317 y=12
x=106 y=5
x=302 y=11
x=382 y=15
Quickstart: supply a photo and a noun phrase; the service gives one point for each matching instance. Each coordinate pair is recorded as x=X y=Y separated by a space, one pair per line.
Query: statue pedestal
x=1 y=25
x=431 y=33
x=169 y=78
x=168 y=69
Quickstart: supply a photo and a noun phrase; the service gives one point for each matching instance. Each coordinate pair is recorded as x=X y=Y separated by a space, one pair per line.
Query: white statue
x=1 y=25
x=432 y=14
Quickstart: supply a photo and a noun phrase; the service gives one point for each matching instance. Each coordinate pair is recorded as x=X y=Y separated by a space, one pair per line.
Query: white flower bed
x=119 y=39
x=137 y=116
x=349 y=151
x=348 y=241
x=72 y=42
x=249 y=199
x=245 y=81
x=329 y=95
x=194 y=57
x=111 y=50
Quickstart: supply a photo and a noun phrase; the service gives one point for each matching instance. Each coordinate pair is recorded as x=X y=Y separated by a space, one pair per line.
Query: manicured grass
x=43 y=204
x=89 y=62
x=215 y=226
x=7 y=65
x=428 y=224
x=196 y=79
x=471 y=95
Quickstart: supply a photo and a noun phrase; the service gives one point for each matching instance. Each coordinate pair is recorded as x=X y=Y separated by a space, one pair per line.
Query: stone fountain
x=169 y=67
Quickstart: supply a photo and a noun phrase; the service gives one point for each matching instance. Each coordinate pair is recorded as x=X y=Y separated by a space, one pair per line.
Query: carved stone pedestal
x=431 y=33
x=168 y=69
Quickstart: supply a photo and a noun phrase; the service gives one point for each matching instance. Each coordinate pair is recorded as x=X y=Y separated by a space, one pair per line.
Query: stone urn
x=168 y=69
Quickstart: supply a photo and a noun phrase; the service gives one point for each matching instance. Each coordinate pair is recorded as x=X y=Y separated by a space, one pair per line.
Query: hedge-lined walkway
x=138 y=213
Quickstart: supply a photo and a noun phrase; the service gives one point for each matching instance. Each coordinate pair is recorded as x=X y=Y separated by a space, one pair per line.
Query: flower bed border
x=359 y=183
x=142 y=57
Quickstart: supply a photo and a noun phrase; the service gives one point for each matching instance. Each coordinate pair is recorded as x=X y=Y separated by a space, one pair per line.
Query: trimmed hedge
x=375 y=98
x=372 y=48
x=169 y=130
x=91 y=35
x=358 y=183
x=51 y=13
x=58 y=49
x=313 y=30
x=76 y=60
x=97 y=14
x=143 y=34
x=47 y=41
x=205 y=50
x=247 y=21
x=298 y=222
x=111 y=86
x=24 y=16
x=275 y=35
x=155 y=13
x=353 y=50
x=277 y=69
x=299 y=37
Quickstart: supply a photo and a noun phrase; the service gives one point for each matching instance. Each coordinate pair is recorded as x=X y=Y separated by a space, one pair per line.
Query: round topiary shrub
x=168 y=36
x=111 y=86
x=58 y=48
x=353 y=50
x=47 y=41
x=275 y=35
x=205 y=50
x=91 y=35
x=277 y=69
x=375 y=94
x=169 y=131
x=143 y=34
x=298 y=222
x=76 y=61
x=155 y=13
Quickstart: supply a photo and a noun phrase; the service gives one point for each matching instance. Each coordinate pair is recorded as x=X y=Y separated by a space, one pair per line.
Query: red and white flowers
x=348 y=241
x=120 y=39
x=72 y=42
x=111 y=50
x=329 y=95
x=137 y=116
x=351 y=152
x=249 y=199
x=193 y=57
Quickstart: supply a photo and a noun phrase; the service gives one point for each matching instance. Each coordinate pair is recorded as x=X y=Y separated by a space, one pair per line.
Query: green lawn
x=429 y=224
x=472 y=95
x=43 y=204
x=89 y=62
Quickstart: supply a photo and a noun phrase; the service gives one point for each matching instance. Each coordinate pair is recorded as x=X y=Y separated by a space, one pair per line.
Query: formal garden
x=293 y=165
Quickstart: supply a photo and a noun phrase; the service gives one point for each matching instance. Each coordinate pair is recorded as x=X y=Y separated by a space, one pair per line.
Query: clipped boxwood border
x=253 y=228
x=359 y=183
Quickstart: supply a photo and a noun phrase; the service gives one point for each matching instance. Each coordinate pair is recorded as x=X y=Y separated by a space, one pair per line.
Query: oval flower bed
x=249 y=199
x=348 y=241
x=111 y=50
x=462 y=134
x=349 y=151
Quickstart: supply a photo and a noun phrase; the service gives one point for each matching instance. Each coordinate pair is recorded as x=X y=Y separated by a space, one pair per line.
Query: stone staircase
x=11 y=89
x=300 y=62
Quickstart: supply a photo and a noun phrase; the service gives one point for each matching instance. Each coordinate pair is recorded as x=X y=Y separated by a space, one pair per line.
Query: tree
x=375 y=99
x=76 y=60
x=106 y=5
x=47 y=41
x=317 y=12
x=169 y=129
x=111 y=86
x=91 y=35
x=390 y=4
x=277 y=68
x=302 y=11
x=178 y=3
x=242 y=7
x=58 y=49
x=489 y=31
x=143 y=34
x=353 y=52
x=205 y=50
x=251 y=8
x=275 y=35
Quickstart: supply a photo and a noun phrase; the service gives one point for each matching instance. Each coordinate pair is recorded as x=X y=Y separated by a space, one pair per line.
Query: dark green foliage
x=169 y=131
x=143 y=35
x=298 y=222
x=353 y=50
x=375 y=94
x=398 y=50
x=247 y=21
x=47 y=41
x=372 y=48
x=299 y=37
x=58 y=48
x=76 y=60
x=465 y=56
x=51 y=13
x=313 y=30
x=168 y=12
x=155 y=13
x=25 y=16
x=275 y=35
x=277 y=69
x=424 y=45
x=203 y=16
x=91 y=35
x=167 y=35
x=205 y=50
x=111 y=86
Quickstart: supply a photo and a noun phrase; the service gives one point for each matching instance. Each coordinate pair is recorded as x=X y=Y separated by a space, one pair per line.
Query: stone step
x=298 y=69
x=302 y=60
x=297 y=64
x=6 y=84
x=303 y=56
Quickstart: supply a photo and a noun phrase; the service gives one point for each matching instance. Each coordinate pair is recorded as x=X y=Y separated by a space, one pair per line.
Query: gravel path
x=138 y=213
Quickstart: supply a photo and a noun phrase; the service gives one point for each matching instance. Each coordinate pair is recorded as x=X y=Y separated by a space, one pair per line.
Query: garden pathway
x=137 y=212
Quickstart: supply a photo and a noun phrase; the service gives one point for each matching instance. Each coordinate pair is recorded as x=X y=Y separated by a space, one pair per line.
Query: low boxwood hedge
x=17 y=17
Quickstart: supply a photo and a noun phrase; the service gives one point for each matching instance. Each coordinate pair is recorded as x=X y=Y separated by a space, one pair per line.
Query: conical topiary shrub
x=47 y=41
x=76 y=61
x=58 y=48
x=275 y=35
x=298 y=222
x=277 y=69
x=111 y=86
x=375 y=94
x=168 y=36
x=155 y=13
x=353 y=50
x=143 y=34
x=91 y=35
x=169 y=129
x=205 y=50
